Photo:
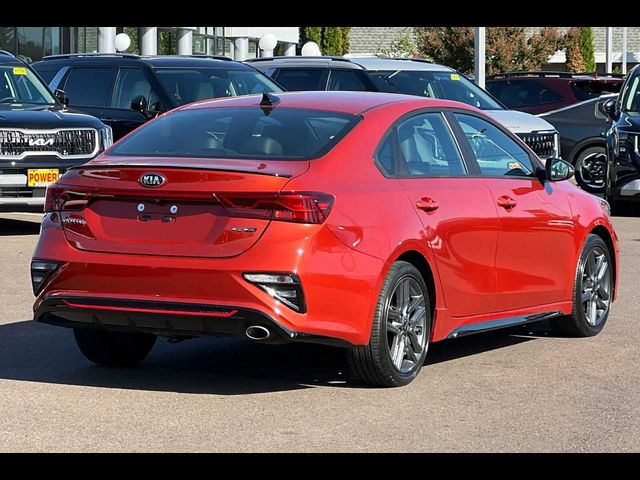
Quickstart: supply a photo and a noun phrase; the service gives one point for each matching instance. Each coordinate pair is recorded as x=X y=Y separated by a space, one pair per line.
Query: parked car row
x=241 y=215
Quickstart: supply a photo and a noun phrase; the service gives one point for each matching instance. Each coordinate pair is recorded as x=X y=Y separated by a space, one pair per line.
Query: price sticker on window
x=455 y=76
x=19 y=71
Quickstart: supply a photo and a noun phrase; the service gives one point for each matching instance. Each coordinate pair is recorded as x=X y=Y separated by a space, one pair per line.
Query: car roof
x=8 y=58
x=304 y=61
x=417 y=64
x=556 y=76
x=210 y=61
x=352 y=102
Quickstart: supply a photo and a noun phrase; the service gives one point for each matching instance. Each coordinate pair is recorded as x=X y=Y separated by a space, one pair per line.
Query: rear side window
x=239 y=132
x=349 y=80
x=130 y=83
x=298 y=79
x=586 y=89
x=523 y=93
x=47 y=74
x=90 y=86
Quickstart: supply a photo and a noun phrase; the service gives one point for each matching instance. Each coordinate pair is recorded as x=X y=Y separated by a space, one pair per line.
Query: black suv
x=315 y=73
x=623 y=138
x=39 y=137
x=126 y=90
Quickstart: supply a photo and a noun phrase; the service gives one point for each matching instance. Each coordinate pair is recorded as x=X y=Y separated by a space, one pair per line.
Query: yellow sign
x=42 y=177
x=19 y=71
x=455 y=76
x=514 y=166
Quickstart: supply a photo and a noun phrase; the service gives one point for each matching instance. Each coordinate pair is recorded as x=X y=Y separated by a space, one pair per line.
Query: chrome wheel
x=406 y=325
x=592 y=170
x=596 y=287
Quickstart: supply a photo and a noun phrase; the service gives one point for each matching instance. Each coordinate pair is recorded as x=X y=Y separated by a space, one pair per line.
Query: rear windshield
x=586 y=89
x=239 y=132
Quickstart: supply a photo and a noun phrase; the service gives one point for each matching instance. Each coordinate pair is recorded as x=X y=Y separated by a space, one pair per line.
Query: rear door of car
x=457 y=211
x=535 y=256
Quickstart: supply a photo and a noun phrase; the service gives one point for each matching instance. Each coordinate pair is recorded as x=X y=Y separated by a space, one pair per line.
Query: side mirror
x=609 y=109
x=557 y=170
x=139 y=104
x=61 y=97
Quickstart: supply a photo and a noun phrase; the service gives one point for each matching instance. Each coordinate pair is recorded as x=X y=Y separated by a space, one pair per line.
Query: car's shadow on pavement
x=223 y=366
x=11 y=227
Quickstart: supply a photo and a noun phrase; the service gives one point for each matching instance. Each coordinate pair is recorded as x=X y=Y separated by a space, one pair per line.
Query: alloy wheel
x=406 y=325
x=592 y=170
x=596 y=287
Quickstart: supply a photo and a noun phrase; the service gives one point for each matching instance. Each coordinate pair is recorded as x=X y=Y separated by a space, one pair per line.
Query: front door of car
x=536 y=239
x=456 y=210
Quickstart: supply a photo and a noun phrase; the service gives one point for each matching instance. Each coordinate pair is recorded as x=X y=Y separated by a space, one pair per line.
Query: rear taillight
x=60 y=198
x=300 y=207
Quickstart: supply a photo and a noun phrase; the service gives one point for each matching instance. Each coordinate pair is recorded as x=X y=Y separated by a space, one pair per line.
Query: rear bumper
x=172 y=319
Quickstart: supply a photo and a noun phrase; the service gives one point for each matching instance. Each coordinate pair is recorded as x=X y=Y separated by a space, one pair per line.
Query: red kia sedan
x=371 y=221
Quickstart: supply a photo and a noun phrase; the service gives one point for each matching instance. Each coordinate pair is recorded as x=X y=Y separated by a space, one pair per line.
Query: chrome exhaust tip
x=257 y=332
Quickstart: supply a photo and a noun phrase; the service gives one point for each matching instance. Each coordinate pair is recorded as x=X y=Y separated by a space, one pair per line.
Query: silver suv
x=420 y=77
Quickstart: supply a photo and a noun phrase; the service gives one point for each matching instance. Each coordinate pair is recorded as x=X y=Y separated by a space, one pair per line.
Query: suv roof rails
x=296 y=57
x=76 y=55
x=5 y=52
x=550 y=73
x=193 y=55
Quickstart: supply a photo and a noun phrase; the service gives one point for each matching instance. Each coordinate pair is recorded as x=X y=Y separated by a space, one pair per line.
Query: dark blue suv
x=623 y=154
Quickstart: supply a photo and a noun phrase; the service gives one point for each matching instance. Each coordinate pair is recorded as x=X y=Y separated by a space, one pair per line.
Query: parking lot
x=517 y=390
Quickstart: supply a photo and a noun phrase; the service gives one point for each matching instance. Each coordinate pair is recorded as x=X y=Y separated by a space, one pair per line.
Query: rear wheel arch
x=583 y=145
x=420 y=262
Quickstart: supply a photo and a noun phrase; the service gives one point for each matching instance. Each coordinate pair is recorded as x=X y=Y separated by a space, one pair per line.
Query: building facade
x=238 y=43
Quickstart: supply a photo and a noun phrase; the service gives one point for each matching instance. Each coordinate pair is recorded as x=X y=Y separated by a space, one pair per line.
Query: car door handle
x=427 y=204
x=507 y=202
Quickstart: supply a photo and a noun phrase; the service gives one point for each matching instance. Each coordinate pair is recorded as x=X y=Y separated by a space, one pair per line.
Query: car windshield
x=444 y=85
x=20 y=85
x=186 y=85
x=632 y=98
x=239 y=132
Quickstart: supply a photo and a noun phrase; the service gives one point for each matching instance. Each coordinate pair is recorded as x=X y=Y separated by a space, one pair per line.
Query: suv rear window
x=239 y=132
x=523 y=93
x=586 y=89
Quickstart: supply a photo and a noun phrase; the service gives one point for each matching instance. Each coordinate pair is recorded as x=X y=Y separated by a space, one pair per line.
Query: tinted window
x=523 y=93
x=239 y=132
x=297 y=79
x=47 y=74
x=496 y=153
x=428 y=148
x=586 y=89
x=90 y=86
x=445 y=85
x=632 y=95
x=349 y=80
x=186 y=85
x=131 y=82
x=385 y=155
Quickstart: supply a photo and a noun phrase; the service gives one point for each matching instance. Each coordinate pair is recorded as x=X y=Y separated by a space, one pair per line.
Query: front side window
x=90 y=86
x=444 y=85
x=348 y=80
x=632 y=96
x=497 y=154
x=300 y=79
x=186 y=85
x=130 y=84
x=239 y=132
x=20 y=85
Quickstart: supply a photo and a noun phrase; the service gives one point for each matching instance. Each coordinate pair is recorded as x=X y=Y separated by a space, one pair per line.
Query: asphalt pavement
x=518 y=390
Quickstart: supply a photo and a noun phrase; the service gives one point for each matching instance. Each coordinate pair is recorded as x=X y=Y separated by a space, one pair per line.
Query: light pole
x=609 y=51
x=479 y=55
x=311 y=49
x=121 y=42
x=624 y=50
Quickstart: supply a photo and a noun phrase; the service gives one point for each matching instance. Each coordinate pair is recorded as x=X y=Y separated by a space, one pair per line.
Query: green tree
x=331 y=40
x=401 y=47
x=311 y=34
x=346 y=39
x=133 y=35
x=587 y=49
x=507 y=48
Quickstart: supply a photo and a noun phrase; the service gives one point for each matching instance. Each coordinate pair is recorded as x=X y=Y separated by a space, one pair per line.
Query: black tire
x=600 y=166
x=372 y=363
x=576 y=324
x=113 y=349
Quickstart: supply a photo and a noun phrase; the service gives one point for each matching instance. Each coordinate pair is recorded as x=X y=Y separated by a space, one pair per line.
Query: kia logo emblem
x=40 y=142
x=152 y=180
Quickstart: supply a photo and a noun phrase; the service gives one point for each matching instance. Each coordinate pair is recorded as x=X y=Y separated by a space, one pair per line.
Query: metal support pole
x=289 y=49
x=480 y=55
x=624 y=50
x=242 y=48
x=608 y=59
x=149 y=40
x=185 y=40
